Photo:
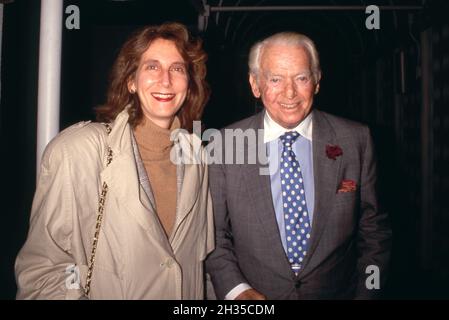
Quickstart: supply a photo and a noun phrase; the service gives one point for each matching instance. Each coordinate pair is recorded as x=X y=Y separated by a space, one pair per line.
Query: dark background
x=361 y=81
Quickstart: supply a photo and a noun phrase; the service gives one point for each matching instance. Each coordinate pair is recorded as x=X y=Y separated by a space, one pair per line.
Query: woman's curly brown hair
x=127 y=62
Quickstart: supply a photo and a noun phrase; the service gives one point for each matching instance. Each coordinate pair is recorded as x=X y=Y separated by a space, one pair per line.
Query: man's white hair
x=285 y=38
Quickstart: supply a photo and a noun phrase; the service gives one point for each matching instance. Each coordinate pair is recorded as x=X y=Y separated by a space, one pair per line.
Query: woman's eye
x=178 y=69
x=152 y=67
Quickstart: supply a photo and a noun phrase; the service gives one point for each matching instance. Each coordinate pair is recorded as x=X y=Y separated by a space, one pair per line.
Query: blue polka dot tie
x=296 y=216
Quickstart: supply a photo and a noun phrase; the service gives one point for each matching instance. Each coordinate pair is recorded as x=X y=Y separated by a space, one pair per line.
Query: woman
x=113 y=217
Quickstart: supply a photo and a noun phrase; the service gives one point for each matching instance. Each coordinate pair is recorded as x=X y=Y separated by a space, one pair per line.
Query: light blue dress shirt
x=302 y=148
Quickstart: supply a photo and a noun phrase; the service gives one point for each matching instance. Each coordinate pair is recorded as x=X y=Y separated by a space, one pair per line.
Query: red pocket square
x=347 y=186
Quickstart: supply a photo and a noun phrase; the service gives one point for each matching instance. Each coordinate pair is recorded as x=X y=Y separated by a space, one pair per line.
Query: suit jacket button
x=298 y=284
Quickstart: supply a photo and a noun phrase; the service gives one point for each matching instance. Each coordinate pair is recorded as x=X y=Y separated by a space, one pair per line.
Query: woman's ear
x=131 y=86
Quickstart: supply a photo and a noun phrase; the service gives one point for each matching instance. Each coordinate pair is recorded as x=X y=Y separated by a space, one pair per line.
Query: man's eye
x=304 y=79
x=275 y=80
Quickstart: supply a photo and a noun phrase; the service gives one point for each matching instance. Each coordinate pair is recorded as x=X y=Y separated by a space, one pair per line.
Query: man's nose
x=290 y=89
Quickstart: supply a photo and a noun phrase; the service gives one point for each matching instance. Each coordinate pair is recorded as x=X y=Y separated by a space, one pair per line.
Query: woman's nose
x=166 y=78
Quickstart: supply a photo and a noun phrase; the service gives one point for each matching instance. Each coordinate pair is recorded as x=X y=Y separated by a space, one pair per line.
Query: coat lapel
x=325 y=172
x=187 y=197
x=122 y=177
x=191 y=166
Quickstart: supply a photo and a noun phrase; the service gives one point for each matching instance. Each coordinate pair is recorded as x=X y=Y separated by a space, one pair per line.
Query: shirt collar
x=272 y=130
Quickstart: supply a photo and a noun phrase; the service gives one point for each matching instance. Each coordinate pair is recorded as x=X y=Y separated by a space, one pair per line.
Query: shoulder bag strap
x=101 y=202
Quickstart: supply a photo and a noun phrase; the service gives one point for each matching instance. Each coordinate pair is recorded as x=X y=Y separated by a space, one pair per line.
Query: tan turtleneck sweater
x=154 y=147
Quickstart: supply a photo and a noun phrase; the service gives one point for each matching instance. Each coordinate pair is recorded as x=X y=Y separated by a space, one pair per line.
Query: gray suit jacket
x=349 y=231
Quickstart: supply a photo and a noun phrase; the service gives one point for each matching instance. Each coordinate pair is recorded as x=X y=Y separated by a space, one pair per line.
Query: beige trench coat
x=134 y=258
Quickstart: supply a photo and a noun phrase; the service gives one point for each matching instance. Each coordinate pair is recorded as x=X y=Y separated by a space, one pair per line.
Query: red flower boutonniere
x=347 y=186
x=333 y=152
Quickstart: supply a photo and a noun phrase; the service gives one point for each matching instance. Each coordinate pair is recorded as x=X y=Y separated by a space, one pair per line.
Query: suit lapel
x=325 y=172
x=262 y=202
x=259 y=187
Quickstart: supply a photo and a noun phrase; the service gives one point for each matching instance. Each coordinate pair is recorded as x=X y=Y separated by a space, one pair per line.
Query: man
x=311 y=228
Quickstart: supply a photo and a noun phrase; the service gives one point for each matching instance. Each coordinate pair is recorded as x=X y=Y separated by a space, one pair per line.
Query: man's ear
x=254 y=85
x=317 y=88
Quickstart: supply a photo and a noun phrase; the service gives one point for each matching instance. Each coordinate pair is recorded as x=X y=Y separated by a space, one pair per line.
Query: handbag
x=100 y=211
